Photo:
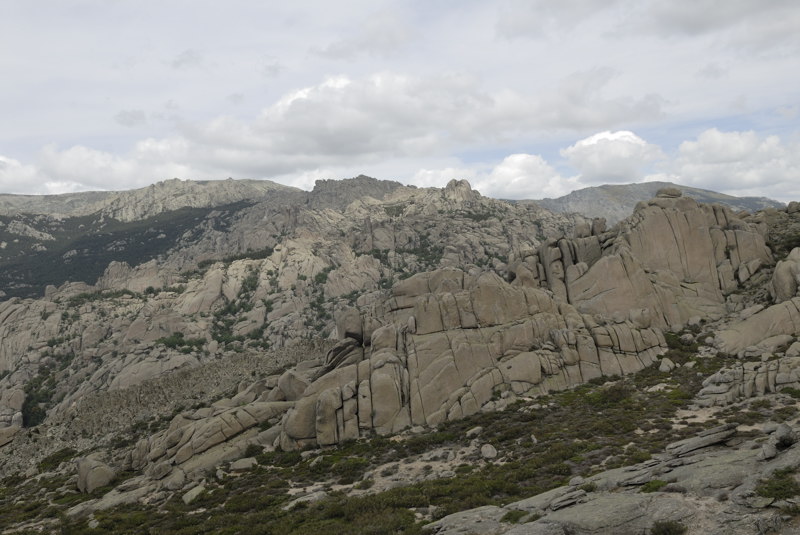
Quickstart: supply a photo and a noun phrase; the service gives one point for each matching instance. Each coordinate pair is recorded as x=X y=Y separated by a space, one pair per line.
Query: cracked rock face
x=473 y=336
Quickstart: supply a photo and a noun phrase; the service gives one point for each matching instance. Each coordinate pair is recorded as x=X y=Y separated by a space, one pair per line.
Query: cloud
x=741 y=163
x=16 y=177
x=713 y=71
x=131 y=118
x=524 y=176
x=187 y=59
x=540 y=18
x=235 y=98
x=580 y=103
x=272 y=68
x=611 y=157
x=379 y=34
x=751 y=25
x=149 y=162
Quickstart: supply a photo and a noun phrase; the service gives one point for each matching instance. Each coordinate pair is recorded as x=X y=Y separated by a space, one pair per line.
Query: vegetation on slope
x=578 y=432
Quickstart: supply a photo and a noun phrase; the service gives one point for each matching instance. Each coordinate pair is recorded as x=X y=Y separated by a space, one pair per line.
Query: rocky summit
x=368 y=357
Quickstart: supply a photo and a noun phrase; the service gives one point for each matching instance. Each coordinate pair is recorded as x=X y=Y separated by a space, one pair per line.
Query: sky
x=523 y=98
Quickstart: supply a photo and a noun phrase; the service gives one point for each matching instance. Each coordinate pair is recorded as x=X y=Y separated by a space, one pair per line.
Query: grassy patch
x=781 y=486
x=653 y=485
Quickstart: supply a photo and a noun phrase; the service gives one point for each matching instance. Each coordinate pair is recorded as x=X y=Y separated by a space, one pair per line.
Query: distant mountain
x=139 y=204
x=616 y=201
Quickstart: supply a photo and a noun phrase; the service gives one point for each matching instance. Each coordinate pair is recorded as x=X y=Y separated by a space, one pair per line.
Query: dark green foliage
x=427 y=252
x=322 y=276
x=177 y=341
x=654 y=485
x=781 y=486
x=87 y=297
x=54 y=459
x=513 y=516
x=38 y=395
x=791 y=391
x=394 y=210
x=668 y=527
x=253 y=450
x=381 y=254
x=84 y=246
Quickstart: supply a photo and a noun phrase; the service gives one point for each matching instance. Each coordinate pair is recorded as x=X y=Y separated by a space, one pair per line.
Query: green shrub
x=791 y=391
x=513 y=516
x=653 y=485
x=177 y=341
x=780 y=486
x=54 y=459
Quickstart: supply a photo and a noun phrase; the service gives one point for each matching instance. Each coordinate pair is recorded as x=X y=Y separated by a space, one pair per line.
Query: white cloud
x=16 y=177
x=611 y=157
x=81 y=167
x=524 y=176
x=741 y=163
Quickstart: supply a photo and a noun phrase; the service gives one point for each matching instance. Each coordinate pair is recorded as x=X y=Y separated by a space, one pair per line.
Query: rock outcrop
x=672 y=260
x=191 y=441
x=749 y=379
x=449 y=342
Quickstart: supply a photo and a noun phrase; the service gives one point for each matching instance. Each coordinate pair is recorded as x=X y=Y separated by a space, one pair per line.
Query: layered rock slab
x=451 y=342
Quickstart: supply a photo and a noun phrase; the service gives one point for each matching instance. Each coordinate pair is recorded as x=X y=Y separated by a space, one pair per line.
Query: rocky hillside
x=138 y=204
x=401 y=357
x=615 y=202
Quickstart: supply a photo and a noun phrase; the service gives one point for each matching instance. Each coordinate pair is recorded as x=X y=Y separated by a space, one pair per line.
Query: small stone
x=488 y=451
x=666 y=365
x=475 y=431
x=759 y=502
x=768 y=451
x=575 y=481
x=192 y=495
x=243 y=465
x=669 y=193
x=784 y=436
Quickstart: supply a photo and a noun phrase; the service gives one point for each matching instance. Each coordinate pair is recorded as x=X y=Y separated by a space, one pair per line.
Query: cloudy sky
x=524 y=98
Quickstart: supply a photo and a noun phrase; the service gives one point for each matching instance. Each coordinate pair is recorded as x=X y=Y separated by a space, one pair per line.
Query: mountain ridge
x=614 y=202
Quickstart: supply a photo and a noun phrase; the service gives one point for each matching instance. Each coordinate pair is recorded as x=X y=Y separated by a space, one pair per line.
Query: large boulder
x=786 y=277
x=93 y=474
